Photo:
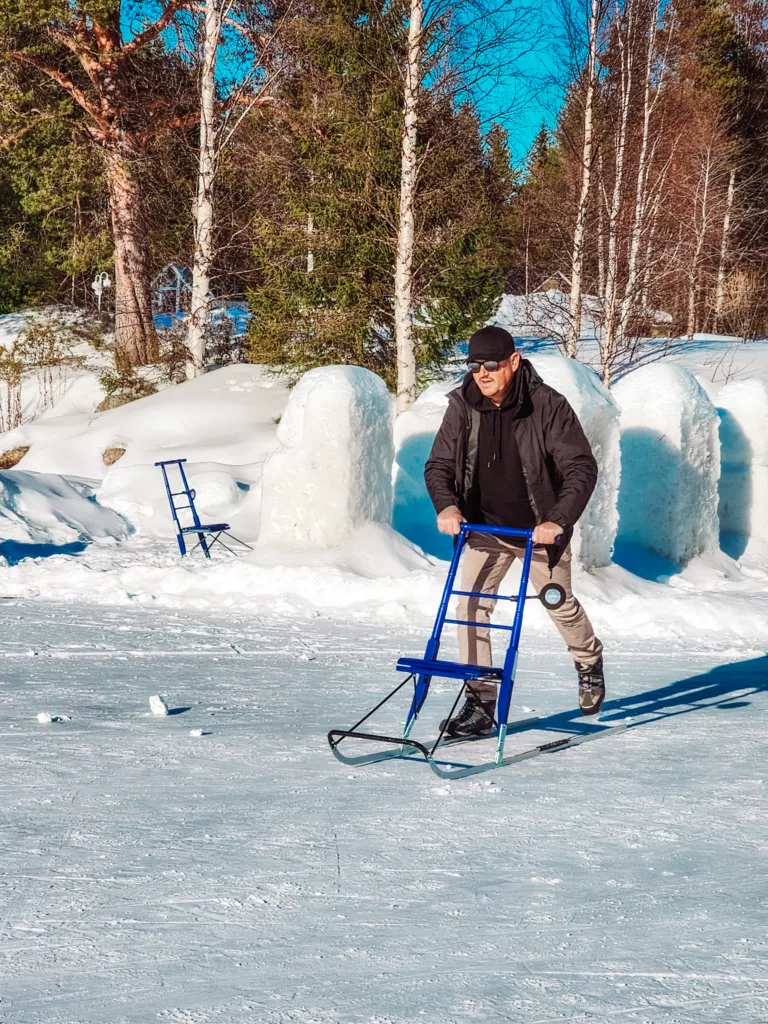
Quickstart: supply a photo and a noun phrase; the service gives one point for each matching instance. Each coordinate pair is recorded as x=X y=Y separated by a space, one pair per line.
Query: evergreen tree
x=324 y=244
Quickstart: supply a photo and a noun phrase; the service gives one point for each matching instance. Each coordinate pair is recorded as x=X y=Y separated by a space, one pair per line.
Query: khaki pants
x=485 y=562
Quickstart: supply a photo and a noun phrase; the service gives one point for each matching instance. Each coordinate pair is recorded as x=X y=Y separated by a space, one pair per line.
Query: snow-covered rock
x=333 y=470
x=598 y=414
x=743 y=409
x=670 y=463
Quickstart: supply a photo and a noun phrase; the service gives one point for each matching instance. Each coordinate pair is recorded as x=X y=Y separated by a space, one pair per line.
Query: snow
x=670 y=463
x=331 y=473
x=414 y=433
x=42 y=514
x=157 y=705
x=598 y=414
x=743 y=407
x=147 y=877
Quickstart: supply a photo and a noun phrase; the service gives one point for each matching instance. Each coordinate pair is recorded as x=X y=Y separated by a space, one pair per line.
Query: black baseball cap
x=491 y=343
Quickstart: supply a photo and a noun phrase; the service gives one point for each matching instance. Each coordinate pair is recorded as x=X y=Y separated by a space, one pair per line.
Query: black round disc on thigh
x=552 y=596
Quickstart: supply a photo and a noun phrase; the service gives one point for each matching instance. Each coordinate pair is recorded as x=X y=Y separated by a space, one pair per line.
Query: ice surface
x=743 y=409
x=252 y=879
x=670 y=463
x=333 y=470
x=598 y=414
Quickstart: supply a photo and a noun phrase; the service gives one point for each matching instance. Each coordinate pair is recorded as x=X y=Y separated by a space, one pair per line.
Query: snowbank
x=42 y=514
x=598 y=414
x=743 y=409
x=670 y=463
x=227 y=416
x=333 y=470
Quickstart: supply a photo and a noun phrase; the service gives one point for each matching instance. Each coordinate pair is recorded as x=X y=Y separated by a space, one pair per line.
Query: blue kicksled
x=422 y=670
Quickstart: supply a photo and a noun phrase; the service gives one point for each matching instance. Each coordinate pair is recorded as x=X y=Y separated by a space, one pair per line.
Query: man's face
x=494 y=383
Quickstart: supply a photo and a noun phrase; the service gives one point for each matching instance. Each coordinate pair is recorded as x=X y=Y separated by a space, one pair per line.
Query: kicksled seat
x=421 y=671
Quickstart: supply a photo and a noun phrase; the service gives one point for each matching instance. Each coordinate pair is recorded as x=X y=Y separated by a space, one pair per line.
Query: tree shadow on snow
x=714 y=689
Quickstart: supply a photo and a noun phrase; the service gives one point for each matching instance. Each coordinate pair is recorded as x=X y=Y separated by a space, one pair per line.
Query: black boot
x=591 y=687
x=475 y=718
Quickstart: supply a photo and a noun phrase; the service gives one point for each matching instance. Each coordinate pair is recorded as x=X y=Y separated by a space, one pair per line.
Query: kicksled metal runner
x=421 y=671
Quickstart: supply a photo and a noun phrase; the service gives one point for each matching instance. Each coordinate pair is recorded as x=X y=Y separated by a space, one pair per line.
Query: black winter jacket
x=558 y=465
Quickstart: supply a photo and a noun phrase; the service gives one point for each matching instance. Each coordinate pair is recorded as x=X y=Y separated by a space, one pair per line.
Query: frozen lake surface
x=246 y=877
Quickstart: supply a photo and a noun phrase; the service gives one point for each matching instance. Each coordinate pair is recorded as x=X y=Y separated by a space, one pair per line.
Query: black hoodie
x=500 y=494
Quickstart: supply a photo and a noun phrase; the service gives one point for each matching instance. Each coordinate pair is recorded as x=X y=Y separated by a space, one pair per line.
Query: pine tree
x=329 y=171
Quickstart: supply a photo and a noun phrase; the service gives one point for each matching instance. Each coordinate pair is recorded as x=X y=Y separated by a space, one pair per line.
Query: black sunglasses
x=474 y=366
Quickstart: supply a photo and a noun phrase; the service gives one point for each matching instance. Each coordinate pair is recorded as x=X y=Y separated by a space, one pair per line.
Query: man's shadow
x=713 y=689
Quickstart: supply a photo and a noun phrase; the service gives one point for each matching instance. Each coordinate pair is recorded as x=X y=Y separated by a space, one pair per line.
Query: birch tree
x=251 y=59
x=594 y=21
x=625 y=41
x=203 y=206
x=406 y=358
x=722 y=266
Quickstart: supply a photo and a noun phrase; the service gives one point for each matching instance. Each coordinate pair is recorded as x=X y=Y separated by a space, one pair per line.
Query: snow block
x=670 y=463
x=598 y=413
x=333 y=470
x=415 y=429
x=743 y=408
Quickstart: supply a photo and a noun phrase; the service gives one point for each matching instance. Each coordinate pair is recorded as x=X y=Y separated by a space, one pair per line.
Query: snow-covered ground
x=243 y=876
x=246 y=877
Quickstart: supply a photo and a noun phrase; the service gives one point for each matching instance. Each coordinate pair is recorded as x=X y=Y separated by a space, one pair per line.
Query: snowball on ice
x=598 y=414
x=333 y=470
x=743 y=407
x=44 y=718
x=195 y=732
x=670 y=463
x=158 y=705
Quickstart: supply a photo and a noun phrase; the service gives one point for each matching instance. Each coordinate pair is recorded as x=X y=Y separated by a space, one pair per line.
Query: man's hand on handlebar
x=450 y=520
x=547 y=533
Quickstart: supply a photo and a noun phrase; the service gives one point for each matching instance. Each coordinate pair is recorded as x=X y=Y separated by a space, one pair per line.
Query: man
x=511 y=452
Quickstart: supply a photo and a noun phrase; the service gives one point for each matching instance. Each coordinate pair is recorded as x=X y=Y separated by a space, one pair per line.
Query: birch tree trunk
x=135 y=337
x=722 y=265
x=406 y=358
x=700 y=225
x=625 y=33
x=641 y=189
x=579 y=231
x=203 y=206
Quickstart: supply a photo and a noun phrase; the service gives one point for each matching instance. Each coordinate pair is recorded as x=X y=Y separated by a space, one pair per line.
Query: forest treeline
x=325 y=159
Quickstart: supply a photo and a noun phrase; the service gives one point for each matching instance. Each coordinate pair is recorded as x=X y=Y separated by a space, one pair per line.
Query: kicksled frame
x=422 y=670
